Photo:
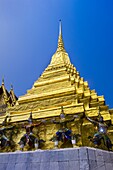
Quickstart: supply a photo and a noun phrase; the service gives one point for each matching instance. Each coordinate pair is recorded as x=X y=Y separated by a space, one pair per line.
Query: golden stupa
x=60 y=85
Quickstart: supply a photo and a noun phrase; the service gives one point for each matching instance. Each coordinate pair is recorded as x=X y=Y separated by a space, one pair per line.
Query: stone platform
x=83 y=158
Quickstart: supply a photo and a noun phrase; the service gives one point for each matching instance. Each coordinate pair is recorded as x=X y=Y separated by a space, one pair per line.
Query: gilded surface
x=59 y=85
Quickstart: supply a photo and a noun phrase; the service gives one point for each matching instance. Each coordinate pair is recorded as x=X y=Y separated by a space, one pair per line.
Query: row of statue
x=63 y=134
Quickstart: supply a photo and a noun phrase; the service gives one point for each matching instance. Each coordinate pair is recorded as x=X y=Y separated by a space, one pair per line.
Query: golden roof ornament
x=60 y=56
x=4 y=91
x=60 y=39
x=12 y=95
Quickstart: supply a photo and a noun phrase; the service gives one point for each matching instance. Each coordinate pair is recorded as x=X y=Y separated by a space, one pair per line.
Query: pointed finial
x=60 y=56
x=60 y=40
x=60 y=27
x=12 y=95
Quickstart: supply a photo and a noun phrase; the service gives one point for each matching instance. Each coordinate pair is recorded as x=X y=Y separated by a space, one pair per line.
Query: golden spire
x=4 y=91
x=60 y=39
x=12 y=95
x=60 y=56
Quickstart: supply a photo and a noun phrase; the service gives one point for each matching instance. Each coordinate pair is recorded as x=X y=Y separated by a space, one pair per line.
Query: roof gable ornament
x=12 y=96
x=4 y=91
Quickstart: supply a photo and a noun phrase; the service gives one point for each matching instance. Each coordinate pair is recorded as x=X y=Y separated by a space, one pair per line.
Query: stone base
x=83 y=158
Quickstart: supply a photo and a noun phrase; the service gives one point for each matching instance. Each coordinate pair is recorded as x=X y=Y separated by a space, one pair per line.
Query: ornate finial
x=60 y=56
x=12 y=95
x=4 y=91
x=60 y=27
x=60 y=40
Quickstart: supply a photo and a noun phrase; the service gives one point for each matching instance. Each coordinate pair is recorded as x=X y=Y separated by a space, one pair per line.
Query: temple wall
x=83 y=158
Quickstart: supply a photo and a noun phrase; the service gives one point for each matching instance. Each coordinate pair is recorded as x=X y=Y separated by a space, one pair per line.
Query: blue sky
x=29 y=33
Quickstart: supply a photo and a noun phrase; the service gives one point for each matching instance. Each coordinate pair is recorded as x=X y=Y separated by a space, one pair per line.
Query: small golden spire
x=4 y=91
x=60 y=27
x=60 y=39
x=60 y=56
x=12 y=95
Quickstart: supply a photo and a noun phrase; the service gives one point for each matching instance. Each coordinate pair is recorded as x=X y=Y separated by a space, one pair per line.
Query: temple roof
x=6 y=98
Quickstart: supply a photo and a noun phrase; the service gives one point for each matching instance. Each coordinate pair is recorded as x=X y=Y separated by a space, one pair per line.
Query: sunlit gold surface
x=59 y=85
